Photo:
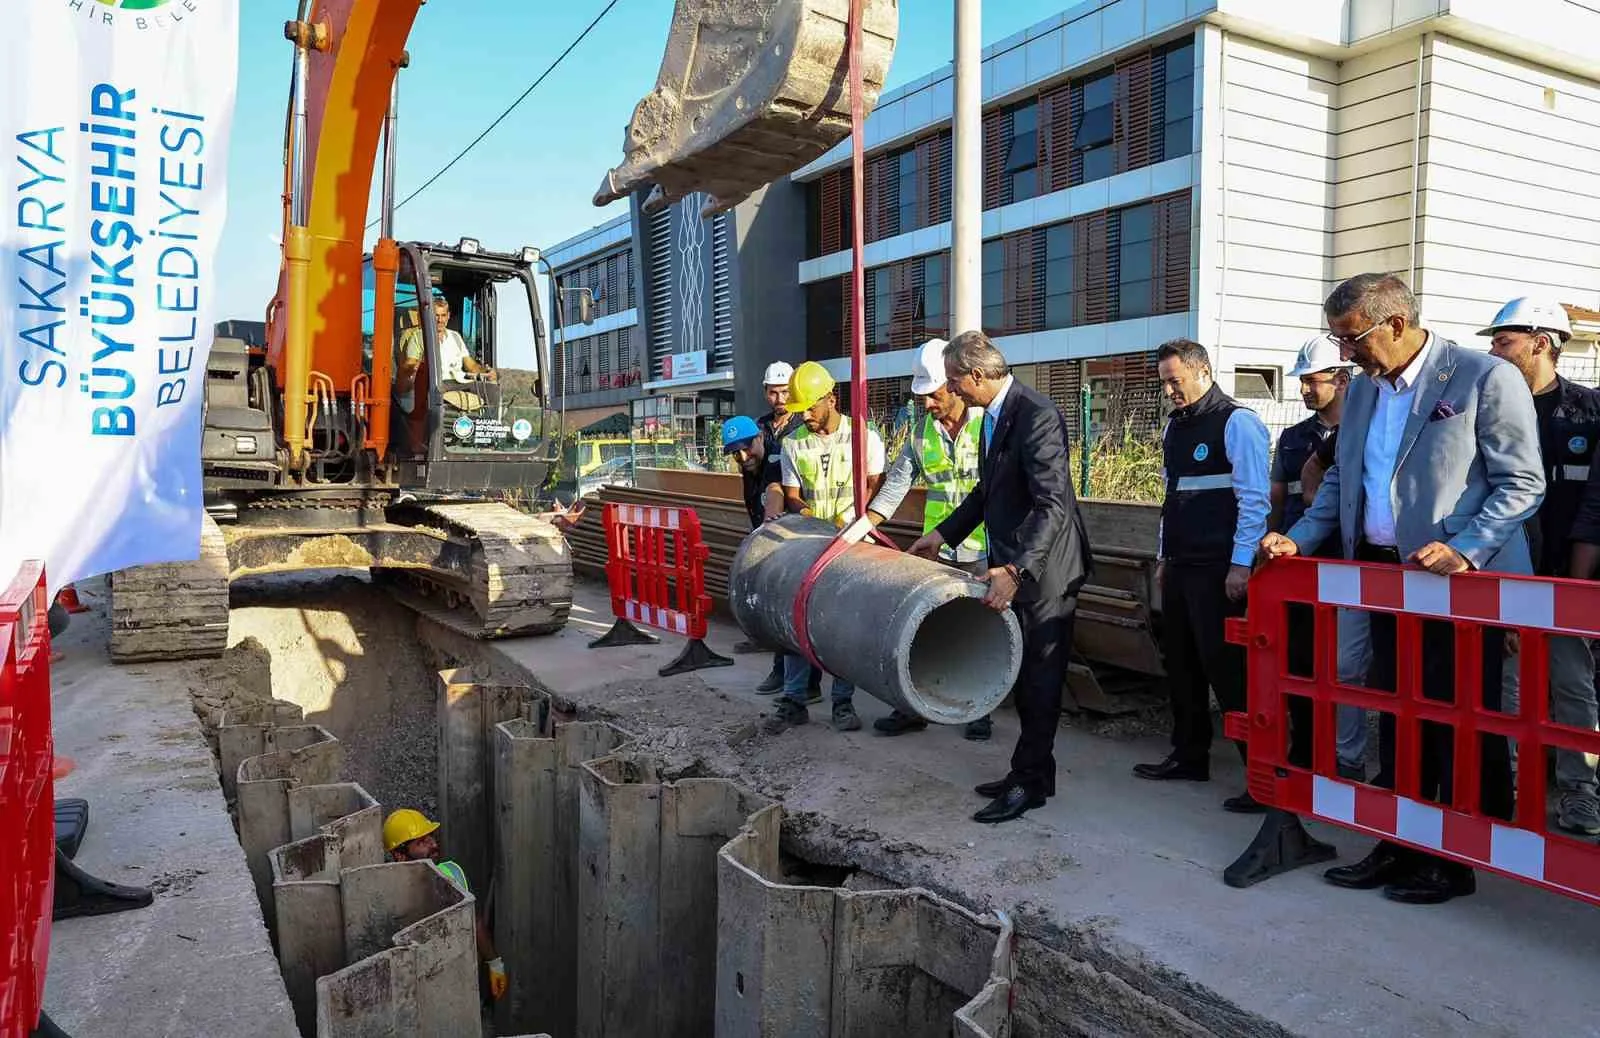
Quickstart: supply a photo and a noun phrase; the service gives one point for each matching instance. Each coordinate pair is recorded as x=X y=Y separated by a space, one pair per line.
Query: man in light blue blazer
x=1437 y=466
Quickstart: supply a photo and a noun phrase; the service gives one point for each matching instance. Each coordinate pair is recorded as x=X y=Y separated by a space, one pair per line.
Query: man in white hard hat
x=1324 y=380
x=776 y=426
x=1529 y=334
x=943 y=451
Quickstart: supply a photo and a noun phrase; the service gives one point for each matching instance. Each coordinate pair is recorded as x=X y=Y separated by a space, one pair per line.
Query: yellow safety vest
x=950 y=475
x=454 y=874
x=824 y=471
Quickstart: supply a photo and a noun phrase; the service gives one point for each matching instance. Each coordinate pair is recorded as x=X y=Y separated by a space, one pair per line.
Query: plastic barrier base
x=1281 y=845
x=696 y=655
x=623 y=632
x=72 y=821
x=78 y=893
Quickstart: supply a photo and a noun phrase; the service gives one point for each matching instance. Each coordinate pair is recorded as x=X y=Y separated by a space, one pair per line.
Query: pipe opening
x=961 y=652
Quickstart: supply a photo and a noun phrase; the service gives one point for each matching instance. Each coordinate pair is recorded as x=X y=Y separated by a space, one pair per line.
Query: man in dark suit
x=1038 y=553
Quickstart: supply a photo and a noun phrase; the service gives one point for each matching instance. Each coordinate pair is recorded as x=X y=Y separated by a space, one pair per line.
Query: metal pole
x=389 y=157
x=858 y=324
x=966 y=208
x=1084 y=397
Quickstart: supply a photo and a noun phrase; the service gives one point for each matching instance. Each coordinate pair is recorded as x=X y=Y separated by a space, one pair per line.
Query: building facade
x=1210 y=169
x=1163 y=168
x=684 y=306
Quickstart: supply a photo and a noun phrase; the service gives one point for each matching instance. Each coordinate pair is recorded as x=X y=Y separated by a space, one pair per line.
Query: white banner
x=114 y=118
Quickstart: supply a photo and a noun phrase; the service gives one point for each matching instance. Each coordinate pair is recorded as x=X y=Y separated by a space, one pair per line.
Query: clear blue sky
x=531 y=181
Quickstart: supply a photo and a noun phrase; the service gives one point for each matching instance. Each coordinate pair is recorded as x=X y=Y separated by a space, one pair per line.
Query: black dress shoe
x=992 y=789
x=1433 y=882
x=1173 y=769
x=1010 y=804
x=1244 y=804
x=1388 y=863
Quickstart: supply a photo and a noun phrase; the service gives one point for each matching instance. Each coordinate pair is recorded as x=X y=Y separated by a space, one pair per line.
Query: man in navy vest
x=1215 y=513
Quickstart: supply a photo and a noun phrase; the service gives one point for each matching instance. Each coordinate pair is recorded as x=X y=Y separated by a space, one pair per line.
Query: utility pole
x=966 y=207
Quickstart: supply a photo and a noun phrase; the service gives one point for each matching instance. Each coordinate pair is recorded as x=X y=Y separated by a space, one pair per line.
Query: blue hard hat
x=737 y=432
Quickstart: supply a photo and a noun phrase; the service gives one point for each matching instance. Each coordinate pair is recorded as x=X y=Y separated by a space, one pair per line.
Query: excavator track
x=517 y=580
x=173 y=610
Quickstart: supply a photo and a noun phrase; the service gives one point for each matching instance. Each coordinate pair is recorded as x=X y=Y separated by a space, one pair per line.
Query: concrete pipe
x=911 y=632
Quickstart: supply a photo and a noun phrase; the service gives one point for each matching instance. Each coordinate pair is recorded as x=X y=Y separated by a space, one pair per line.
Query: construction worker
x=817 y=481
x=408 y=836
x=775 y=426
x=1324 y=382
x=1529 y=334
x=942 y=452
x=761 y=472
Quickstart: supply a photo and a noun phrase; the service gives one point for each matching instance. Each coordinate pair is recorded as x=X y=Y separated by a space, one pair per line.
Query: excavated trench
x=627 y=898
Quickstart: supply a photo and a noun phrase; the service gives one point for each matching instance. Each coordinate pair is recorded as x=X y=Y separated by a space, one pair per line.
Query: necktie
x=988 y=431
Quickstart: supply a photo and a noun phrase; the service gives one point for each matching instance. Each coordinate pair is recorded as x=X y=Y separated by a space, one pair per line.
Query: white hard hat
x=927 y=374
x=1534 y=315
x=778 y=374
x=1318 y=354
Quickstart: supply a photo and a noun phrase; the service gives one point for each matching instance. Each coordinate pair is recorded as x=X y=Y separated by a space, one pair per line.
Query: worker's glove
x=498 y=981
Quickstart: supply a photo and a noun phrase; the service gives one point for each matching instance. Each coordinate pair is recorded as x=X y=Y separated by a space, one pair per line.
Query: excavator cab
x=467 y=398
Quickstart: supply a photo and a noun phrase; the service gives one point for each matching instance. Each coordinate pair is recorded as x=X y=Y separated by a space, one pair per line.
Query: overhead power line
x=509 y=109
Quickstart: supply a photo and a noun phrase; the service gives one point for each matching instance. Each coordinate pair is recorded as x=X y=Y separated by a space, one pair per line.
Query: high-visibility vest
x=950 y=475
x=454 y=874
x=824 y=471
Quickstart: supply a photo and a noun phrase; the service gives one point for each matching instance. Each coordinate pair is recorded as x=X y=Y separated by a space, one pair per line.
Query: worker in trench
x=817 y=470
x=942 y=452
x=408 y=835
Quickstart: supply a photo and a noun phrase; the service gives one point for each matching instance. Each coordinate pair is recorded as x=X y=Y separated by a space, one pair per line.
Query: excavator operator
x=456 y=361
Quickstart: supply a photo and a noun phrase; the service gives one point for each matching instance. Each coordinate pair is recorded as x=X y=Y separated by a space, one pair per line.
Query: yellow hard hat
x=809 y=383
x=405 y=825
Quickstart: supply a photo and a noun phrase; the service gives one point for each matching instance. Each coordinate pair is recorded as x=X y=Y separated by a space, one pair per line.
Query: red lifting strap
x=862 y=528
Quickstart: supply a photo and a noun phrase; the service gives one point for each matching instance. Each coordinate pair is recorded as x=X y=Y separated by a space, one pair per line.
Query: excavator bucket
x=749 y=91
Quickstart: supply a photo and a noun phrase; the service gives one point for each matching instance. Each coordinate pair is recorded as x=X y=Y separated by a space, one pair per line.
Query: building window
x=994 y=286
x=1257 y=383
x=1136 y=262
x=825 y=319
x=933 y=316
x=1177 y=66
x=1022 y=154
x=1092 y=136
x=1058 y=275
x=908 y=217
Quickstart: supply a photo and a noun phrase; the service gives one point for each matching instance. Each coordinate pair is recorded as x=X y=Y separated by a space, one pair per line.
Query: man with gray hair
x=1038 y=552
x=1437 y=466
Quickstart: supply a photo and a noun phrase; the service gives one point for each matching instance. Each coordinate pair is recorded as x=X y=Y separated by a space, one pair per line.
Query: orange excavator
x=379 y=428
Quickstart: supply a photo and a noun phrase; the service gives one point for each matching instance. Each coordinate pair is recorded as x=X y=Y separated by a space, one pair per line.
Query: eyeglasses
x=1351 y=340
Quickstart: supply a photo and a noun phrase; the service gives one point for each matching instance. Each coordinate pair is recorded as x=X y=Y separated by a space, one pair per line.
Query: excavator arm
x=351 y=51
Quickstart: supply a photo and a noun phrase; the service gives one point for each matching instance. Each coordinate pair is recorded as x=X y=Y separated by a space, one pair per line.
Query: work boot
x=785 y=715
x=772 y=682
x=845 y=718
x=898 y=724
x=1579 y=814
x=979 y=730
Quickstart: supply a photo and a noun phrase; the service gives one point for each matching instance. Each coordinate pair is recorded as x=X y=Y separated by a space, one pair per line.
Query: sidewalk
x=197 y=962
x=1124 y=876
